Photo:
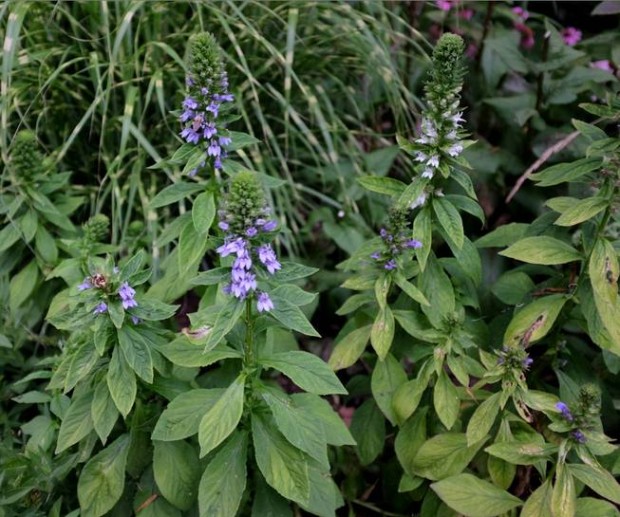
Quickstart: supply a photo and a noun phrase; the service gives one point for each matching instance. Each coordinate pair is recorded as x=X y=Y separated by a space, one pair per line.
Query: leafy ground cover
x=305 y=258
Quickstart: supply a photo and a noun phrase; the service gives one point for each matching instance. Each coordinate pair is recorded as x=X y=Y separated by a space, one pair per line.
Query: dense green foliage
x=288 y=258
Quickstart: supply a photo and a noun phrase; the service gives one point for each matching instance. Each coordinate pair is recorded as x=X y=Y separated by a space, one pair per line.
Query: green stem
x=249 y=334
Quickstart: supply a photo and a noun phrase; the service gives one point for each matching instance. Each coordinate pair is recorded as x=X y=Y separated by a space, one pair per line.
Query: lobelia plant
x=470 y=428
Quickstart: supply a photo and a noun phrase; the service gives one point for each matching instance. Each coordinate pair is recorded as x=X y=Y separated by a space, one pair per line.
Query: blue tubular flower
x=578 y=436
x=206 y=95
x=101 y=308
x=127 y=293
x=563 y=408
x=244 y=221
x=86 y=284
x=396 y=240
x=264 y=303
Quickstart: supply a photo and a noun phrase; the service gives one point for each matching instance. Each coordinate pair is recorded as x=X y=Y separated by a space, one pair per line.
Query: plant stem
x=249 y=335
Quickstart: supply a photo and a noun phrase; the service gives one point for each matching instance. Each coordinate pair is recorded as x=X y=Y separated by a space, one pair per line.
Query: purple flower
x=135 y=320
x=268 y=258
x=390 y=264
x=127 y=293
x=526 y=363
x=217 y=163
x=444 y=5
x=234 y=246
x=243 y=260
x=603 y=64
x=571 y=36
x=213 y=108
x=101 y=308
x=251 y=231
x=413 y=243
x=223 y=225
x=563 y=408
x=270 y=226
x=190 y=104
x=264 y=303
x=209 y=130
x=190 y=136
x=86 y=284
x=521 y=13
x=214 y=149
x=376 y=255
x=225 y=140
x=245 y=283
x=578 y=436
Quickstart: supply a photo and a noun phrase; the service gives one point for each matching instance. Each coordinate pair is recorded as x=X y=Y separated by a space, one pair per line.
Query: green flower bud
x=26 y=161
x=205 y=63
x=244 y=204
x=96 y=228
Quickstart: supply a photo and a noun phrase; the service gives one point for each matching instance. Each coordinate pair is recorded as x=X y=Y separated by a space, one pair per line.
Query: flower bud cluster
x=207 y=92
x=586 y=413
x=440 y=129
x=26 y=161
x=396 y=240
x=108 y=287
x=514 y=358
x=94 y=231
x=247 y=227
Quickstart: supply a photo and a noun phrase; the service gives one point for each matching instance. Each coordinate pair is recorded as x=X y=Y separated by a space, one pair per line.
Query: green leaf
x=603 y=270
x=349 y=349
x=539 y=503
x=192 y=247
x=9 y=235
x=22 y=285
x=389 y=186
x=503 y=235
x=121 y=382
x=213 y=276
x=203 y=212
x=291 y=317
x=136 y=352
x=590 y=507
x=468 y=205
x=325 y=495
x=512 y=287
x=542 y=250
x=284 y=467
x=222 y=418
x=103 y=411
x=102 y=479
x=176 y=470
x=184 y=351
x=336 y=433
x=598 y=479
x=410 y=290
x=521 y=453
x=444 y=455
x=409 y=439
x=483 y=419
x=45 y=246
x=474 y=497
x=226 y=319
x=299 y=427
x=117 y=314
x=423 y=232
x=387 y=377
x=28 y=223
x=306 y=370
x=76 y=423
x=268 y=503
x=582 y=211
x=563 y=497
x=437 y=288
x=449 y=219
x=223 y=481
x=174 y=193
x=293 y=294
x=565 y=172
x=292 y=271
x=407 y=397
x=382 y=332
x=534 y=321
x=182 y=417
x=368 y=429
x=241 y=140
x=446 y=400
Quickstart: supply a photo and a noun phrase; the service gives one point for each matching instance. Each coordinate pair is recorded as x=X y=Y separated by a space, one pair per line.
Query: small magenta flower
x=565 y=411
x=521 y=13
x=444 y=5
x=127 y=293
x=571 y=36
x=466 y=14
x=264 y=303
x=101 y=308
x=602 y=64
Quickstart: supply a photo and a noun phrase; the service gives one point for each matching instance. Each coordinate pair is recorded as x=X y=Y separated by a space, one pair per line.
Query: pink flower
x=466 y=14
x=571 y=36
x=521 y=13
x=527 y=35
x=472 y=50
x=346 y=413
x=444 y=5
x=603 y=64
